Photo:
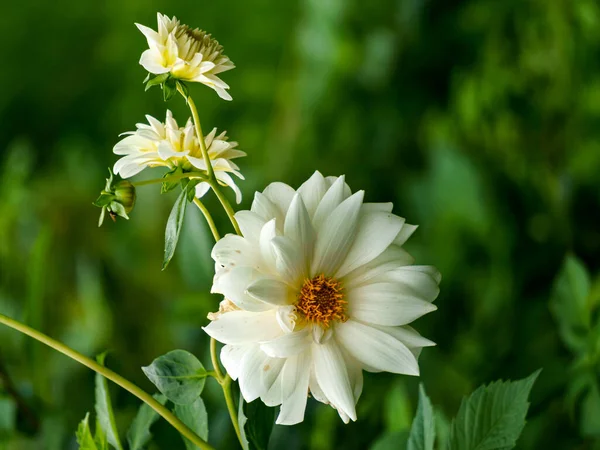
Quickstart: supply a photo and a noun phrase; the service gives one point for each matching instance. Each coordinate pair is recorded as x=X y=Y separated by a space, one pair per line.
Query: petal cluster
x=187 y=54
x=158 y=144
x=317 y=290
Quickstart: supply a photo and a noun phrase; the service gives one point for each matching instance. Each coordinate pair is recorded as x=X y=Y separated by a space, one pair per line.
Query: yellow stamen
x=321 y=300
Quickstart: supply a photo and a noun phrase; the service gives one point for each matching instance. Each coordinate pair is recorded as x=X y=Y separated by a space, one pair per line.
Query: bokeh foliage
x=477 y=118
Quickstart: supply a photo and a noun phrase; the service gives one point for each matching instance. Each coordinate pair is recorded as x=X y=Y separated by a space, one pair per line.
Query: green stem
x=209 y=219
x=109 y=374
x=226 y=206
x=170 y=178
x=226 y=385
x=215 y=359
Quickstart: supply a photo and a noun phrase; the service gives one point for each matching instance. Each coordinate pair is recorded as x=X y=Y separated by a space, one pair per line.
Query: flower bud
x=117 y=199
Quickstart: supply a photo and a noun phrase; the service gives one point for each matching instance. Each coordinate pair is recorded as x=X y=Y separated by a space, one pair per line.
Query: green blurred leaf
x=84 y=435
x=194 y=416
x=179 y=375
x=174 y=227
x=422 y=432
x=256 y=422
x=398 y=410
x=159 y=79
x=8 y=416
x=104 y=409
x=139 y=432
x=492 y=417
x=169 y=89
x=569 y=303
x=590 y=412
x=100 y=437
x=397 y=440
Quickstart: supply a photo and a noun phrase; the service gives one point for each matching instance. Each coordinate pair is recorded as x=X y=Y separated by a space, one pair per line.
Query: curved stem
x=215 y=359
x=177 y=177
x=226 y=206
x=231 y=407
x=209 y=219
x=109 y=374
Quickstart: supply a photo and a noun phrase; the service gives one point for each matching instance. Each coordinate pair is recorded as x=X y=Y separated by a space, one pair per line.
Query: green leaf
x=174 y=227
x=100 y=437
x=492 y=417
x=396 y=440
x=256 y=422
x=159 y=79
x=104 y=409
x=569 y=303
x=169 y=89
x=190 y=187
x=422 y=432
x=194 y=416
x=590 y=412
x=139 y=432
x=84 y=435
x=178 y=375
x=398 y=411
x=170 y=185
x=104 y=200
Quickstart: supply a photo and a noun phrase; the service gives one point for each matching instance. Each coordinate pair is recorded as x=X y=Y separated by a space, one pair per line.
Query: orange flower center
x=321 y=300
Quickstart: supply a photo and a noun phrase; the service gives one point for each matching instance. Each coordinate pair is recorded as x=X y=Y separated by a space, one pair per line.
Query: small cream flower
x=322 y=290
x=167 y=145
x=186 y=54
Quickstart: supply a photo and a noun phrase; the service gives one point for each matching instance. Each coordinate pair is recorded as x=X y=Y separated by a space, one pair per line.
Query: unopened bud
x=117 y=199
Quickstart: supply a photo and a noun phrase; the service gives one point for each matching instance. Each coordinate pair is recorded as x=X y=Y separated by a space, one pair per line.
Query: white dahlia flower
x=317 y=290
x=186 y=54
x=156 y=144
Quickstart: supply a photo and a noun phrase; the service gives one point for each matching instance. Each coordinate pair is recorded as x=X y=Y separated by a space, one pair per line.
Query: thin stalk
x=226 y=384
x=170 y=178
x=209 y=219
x=226 y=206
x=109 y=374
x=215 y=359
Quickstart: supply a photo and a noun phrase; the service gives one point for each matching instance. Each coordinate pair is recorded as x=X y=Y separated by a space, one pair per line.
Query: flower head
x=117 y=199
x=317 y=290
x=158 y=144
x=186 y=54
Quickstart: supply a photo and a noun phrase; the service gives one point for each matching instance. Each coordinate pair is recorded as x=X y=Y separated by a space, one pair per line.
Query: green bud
x=117 y=199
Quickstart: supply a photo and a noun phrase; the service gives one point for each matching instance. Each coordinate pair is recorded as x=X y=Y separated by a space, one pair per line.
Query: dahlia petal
x=241 y=327
x=231 y=357
x=270 y=372
x=336 y=236
x=271 y=291
x=289 y=260
x=250 y=381
x=286 y=318
x=250 y=224
x=386 y=304
x=266 y=209
x=273 y=395
x=376 y=349
x=419 y=283
x=234 y=251
x=151 y=35
x=233 y=285
x=377 y=207
x=295 y=376
x=299 y=229
x=330 y=201
x=267 y=234
x=281 y=195
x=390 y=259
x=376 y=231
x=407 y=335
x=287 y=345
x=201 y=189
x=332 y=375
x=405 y=233
x=151 y=61
x=312 y=192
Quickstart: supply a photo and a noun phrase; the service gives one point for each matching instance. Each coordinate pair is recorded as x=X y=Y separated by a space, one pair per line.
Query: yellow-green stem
x=109 y=374
x=226 y=206
x=215 y=359
x=170 y=178
x=209 y=219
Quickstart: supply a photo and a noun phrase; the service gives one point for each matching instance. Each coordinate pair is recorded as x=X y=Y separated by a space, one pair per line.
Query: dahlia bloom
x=185 y=54
x=166 y=144
x=317 y=290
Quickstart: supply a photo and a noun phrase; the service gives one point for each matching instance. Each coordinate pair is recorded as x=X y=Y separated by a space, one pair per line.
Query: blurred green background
x=479 y=119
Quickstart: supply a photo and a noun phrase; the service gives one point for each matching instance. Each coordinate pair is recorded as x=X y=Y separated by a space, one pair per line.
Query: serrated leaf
x=569 y=303
x=256 y=422
x=139 y=432
x=84 y=435
x=104 y=410
x=174 y=227
x=195 y=417
x=492 y=417
x=422 y=432
x=178 y=375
